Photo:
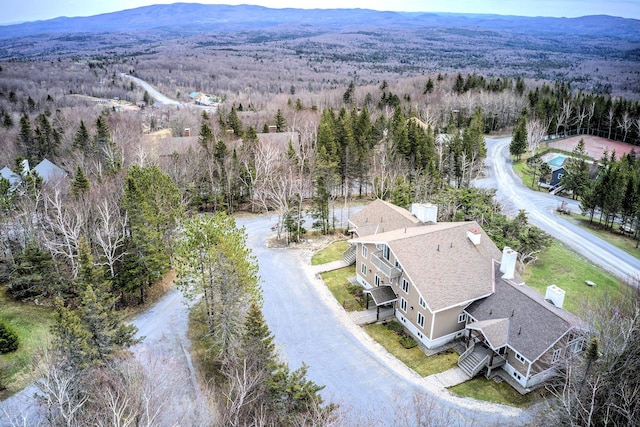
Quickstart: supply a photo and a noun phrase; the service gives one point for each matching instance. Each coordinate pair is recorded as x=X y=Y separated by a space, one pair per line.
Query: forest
x=91 y=245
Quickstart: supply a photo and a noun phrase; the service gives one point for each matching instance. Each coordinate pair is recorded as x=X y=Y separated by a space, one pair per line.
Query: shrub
x=407 y=342
x=8 y=339
x=355 y=290
x=395 y=327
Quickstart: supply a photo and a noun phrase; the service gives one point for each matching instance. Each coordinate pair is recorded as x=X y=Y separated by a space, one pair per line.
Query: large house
x=448 y=281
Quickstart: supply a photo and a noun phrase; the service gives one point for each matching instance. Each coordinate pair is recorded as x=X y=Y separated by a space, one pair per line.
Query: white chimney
x=425 y=212
x=474 y=235
x=508 y=263
x=555 y=295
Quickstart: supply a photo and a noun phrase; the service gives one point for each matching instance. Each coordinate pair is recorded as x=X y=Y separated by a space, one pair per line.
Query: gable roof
x=10 y=176
x=444 y=265
x=496 y=331
x=534 y=324
x=379 y=217
x=49 y=171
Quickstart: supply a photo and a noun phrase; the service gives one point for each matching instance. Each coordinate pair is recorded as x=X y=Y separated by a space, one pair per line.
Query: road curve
x=541 y=207
x=310 y=326
x=153 y=92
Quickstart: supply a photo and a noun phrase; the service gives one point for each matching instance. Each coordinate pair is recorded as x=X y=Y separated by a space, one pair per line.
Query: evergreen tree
x=26 y=140
x=576 y=171
x=153 y=205
x=215 y=262
x=518 y=144
x=80 y=184
x=233 y=122
x=428 y=87
x=82 y=140
x=72 y=341
x=7 y=121
x=8 y=340
x=281 y=123
x=320 y=207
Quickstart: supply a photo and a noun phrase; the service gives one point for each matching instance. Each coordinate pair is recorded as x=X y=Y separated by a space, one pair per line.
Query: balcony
x=385 y=266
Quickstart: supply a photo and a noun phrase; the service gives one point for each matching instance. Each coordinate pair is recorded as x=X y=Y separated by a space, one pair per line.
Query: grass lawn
x=32 y=324
x=338 y=283
x=480 y=388
x=568 y=270
x=333 y=252
x=625 y=243
x=414 y=358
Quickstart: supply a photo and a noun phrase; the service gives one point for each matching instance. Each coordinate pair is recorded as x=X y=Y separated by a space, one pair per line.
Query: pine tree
x=7 y=121
x=82 y=140
x=518 y=145
x=71 y=339
x=281 y=123
x=8 y=339
x=80 y=184
x=25 y=139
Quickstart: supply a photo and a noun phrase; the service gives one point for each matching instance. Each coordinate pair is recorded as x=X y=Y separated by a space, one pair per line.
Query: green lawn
x=333 y=252
x=414 y=358
x=568 y=270
x=480 y=388
x=339 y=285
x=623 y=242
x=32 y=324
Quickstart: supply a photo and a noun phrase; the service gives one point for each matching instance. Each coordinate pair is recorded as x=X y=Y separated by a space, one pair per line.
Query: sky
x=12 y=11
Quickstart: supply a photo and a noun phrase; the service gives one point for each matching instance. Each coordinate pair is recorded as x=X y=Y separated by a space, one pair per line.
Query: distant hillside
x=196 y=18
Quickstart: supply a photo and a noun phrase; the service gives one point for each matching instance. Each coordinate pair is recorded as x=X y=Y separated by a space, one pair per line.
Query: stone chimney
x=555 y=295
x=508 y=263
x=425 y=212
x=474 y=235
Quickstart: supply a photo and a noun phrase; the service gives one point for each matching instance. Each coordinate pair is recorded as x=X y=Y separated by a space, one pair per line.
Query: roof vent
x=474 y=235
x=555 y=295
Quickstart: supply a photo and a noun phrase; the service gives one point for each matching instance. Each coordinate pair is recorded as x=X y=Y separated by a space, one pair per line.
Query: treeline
x=565 y=112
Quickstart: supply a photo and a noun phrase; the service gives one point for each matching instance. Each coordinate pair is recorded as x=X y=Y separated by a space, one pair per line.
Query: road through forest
x=541 y=209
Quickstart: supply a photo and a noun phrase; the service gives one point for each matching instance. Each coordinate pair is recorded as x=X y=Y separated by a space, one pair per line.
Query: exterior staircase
x=472 y=362
x=349 y=256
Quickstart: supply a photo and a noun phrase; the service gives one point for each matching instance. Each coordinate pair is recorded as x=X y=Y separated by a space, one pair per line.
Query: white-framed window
x=520 y=357
x=363 y=269
x=462 y=317
x=577 y=345
x=422 y=303
x=377 y=280
x=386 y=252
x=364 y=251
x=405 y=285
x=420 y=320
x=403 y=304
x=556 y=355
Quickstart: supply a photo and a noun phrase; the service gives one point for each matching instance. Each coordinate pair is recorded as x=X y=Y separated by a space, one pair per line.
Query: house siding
x=446 y=322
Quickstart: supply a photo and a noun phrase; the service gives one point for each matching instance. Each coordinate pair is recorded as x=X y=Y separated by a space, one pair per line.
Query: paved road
x=541 y=208
x=153 y=92
x=311 y=327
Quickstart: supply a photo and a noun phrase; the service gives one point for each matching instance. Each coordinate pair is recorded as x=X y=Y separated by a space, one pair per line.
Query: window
x=422 y=303
x=405 y=285
x=520 y=357
x=377 y=280
x=577 y=345
x=556 y=356
x=421 y=320
x=363 y=269
x=364 y=251
x=403 y=304
x=386 y=252
x=462 y=317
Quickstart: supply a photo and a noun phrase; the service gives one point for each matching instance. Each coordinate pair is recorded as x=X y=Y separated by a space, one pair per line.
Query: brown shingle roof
x=534 y=324
x=379 y=217
x=441 y=261
x=496 y=331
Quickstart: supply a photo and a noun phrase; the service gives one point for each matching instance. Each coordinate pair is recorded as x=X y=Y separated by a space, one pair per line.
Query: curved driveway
x=310 y=326
x=541 y=208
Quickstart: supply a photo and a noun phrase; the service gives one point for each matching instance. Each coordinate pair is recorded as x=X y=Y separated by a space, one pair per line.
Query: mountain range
x=197 y=18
